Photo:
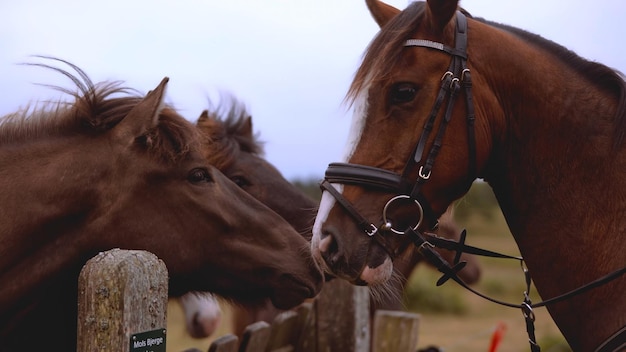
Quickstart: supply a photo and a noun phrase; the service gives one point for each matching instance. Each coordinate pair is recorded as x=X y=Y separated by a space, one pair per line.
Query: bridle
x=455 y=80
x=457 y=75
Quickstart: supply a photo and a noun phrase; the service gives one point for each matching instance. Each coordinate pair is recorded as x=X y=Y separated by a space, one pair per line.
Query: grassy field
x=452 y=318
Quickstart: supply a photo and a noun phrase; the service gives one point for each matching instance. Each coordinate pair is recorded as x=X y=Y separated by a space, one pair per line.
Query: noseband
x=457 y=77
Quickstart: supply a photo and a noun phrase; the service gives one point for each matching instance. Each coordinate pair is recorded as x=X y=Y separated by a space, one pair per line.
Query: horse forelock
x=173 y=138
x=235 y=120
x=383 y=52
x=228 y=133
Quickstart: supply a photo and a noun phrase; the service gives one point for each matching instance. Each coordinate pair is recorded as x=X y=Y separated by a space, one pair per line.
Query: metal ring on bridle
x=388 y=223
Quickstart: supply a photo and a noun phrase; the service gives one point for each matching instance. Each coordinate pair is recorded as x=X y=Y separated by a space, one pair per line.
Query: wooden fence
x=123 y=301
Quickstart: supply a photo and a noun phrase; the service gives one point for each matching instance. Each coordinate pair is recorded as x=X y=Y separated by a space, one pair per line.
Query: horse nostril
x=326 y=242
x=329 y=248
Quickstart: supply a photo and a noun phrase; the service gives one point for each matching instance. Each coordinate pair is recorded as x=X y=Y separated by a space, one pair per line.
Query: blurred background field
x=451 y=317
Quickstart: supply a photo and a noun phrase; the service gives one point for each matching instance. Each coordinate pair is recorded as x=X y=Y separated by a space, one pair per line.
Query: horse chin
x=292 y=293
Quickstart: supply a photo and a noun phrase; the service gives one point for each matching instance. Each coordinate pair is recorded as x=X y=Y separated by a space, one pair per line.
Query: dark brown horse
x=232 y=147
x=115 y=170
x=442 y=98
x=235 y=149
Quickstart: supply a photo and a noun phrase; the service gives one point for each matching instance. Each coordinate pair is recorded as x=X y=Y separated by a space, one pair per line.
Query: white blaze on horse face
x=357 y=125
x=327 y=202
x=317 y=244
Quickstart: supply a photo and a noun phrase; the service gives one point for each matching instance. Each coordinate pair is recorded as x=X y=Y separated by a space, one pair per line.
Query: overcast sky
x=289 y=61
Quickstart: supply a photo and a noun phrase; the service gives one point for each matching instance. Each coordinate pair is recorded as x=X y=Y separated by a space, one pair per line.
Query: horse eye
x=240 y=181
x=199 y=175
x=403 y=93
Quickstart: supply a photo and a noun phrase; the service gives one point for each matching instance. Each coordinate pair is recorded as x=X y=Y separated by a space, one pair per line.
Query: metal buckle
x=422 y=174
x=372 y=231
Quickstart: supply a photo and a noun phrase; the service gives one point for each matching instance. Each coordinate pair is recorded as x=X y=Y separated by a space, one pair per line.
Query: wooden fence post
x=122 y=295
x=395 y=331
x=343 y=317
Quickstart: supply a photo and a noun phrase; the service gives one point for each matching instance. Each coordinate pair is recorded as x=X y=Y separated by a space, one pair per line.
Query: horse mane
x=384 y=52
x=604 y=77
x=227 y=129
x=97 y=108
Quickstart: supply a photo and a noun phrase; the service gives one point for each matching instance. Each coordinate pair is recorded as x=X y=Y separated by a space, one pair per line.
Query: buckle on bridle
x=372 y=231
x=422 y=175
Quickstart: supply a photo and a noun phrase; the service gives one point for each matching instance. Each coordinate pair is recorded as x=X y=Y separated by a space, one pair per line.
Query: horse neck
x=47 y=192
x=559 y=182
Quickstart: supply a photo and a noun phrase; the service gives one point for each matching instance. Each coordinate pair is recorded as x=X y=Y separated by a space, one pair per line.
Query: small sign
x=148 y=341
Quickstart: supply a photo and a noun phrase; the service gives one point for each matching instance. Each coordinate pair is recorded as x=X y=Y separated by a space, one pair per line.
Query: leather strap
x=363 y=175
x=376 y=178
x=461 y=247
x=434 y=45
x=369 y=228
x=615 y=343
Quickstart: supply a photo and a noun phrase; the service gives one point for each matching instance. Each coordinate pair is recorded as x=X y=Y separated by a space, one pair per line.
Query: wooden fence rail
x=123 y=300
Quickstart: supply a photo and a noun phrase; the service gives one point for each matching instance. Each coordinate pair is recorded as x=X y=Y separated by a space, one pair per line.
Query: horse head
x=237 y=152
x=393 y=94
x=116 y=170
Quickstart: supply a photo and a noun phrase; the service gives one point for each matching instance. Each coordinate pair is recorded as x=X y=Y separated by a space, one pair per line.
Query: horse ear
x=381 y=12
x=210 y=125
x=203 y=116
x=143 y=116
x=440 y=12
x=246 y=127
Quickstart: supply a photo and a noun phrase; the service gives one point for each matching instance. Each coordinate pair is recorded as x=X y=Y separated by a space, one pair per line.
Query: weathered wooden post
x=122 y=302
x=343 y=318
x=394 y=331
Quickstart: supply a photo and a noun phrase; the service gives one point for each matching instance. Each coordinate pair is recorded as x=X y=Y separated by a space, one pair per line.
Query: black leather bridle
x=456 y=80
x=457 y=77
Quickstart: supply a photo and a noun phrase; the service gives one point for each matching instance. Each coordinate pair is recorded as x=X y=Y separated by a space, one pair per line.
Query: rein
x=457 y=77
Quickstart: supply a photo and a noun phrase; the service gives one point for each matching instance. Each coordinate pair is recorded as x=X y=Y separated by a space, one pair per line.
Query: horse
x=442 y=98
x=114 y=169
x=234 y=148
x=231 y=146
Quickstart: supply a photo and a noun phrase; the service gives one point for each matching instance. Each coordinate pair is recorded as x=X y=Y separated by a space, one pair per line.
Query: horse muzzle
x=362 y=263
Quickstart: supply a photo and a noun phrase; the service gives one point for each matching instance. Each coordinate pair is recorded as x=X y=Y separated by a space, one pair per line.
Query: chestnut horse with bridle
x=442 y=98
x=113 y=169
